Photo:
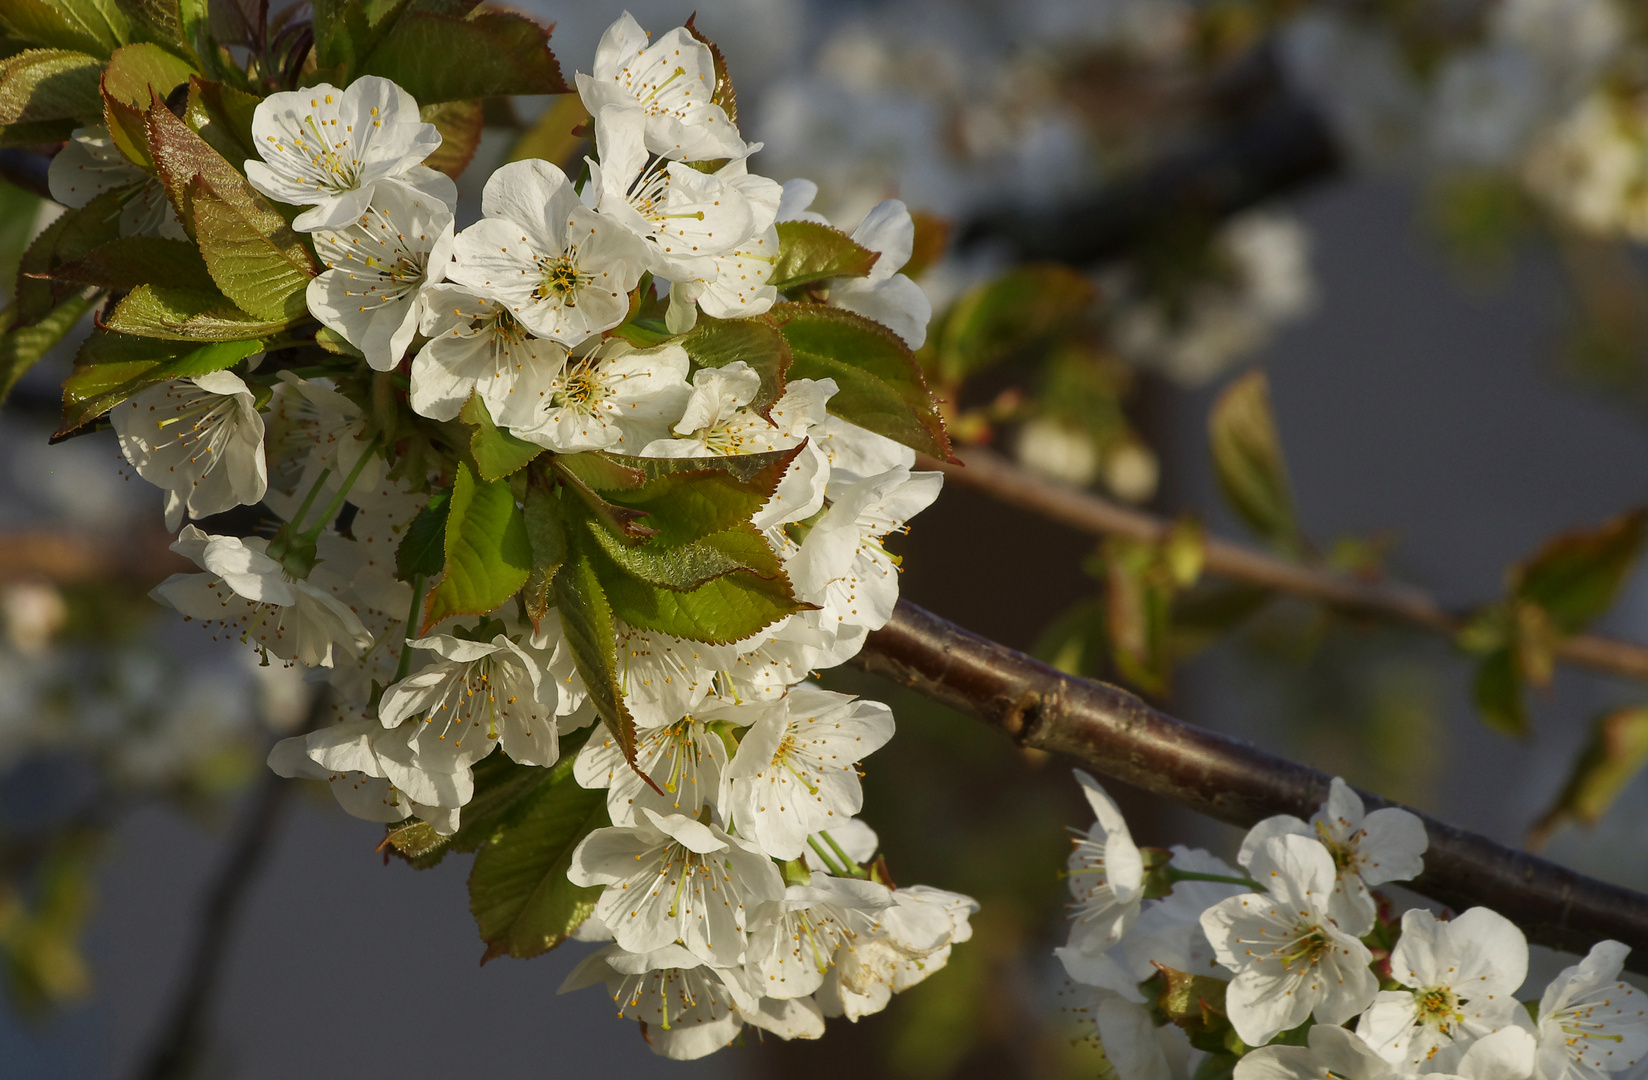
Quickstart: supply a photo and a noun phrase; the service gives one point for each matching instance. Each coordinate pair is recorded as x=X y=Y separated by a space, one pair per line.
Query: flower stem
x=1175 y=874
x=829 y=863
x=330 y=514
x=404 y=668
x=853 y=869
x=309 y=499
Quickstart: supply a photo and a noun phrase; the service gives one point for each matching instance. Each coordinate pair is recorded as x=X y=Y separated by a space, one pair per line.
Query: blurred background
x=1421 y=223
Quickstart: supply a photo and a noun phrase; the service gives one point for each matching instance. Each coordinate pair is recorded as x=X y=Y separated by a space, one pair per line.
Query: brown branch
x=1120 y=736
x=990 y=473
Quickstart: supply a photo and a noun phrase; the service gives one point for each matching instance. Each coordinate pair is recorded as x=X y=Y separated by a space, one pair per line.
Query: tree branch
x=990 y=473
x=1120 y=736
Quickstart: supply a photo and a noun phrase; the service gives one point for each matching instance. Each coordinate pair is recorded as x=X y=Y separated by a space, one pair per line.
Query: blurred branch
x=67 y=559
x=1274 y=151
x=177 y=1052
x=1119 y=735
x=26 y=170
x=990 y=473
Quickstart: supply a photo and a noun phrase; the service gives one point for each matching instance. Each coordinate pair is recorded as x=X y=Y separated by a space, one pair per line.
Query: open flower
x=378 y=268
x=1106 y=874
x=1335 y=1054
x=796 y=768
x=913 y=941
x=564 y=271
x=90 y=164
x=612 y=399
x=251 y=595
x=1461 y=977
x=1291 y=960
x=685 y=759
x=1367 y=849
x=671 y=82
x=688 y=1008
x=671 y=879
x=200 y=440
x=476 y=695
x=477 y=347
x=794 y=941
x=327 y=149
x=684 y=217
x=1590 y=1023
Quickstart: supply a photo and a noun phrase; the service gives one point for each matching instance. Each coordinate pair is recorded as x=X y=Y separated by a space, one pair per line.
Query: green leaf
x=686 y=566
x=22 y=347
x=112 y=367
x=422 y=550
x=497 y=453
x=518 y=888
x=438 y=57
x=222 y=117
x=720 y=611
x=587 y=622
x=487 y=554
x=1612 y=758
x=181 y=157
x=717 y=343
x=84 y=25
x=186 y=315
x=881 y=387
x=546 y=533
x=685 y=499
x=1007 y=315
x=810 y=251
x=1077 y=643
x=335 y=343
x=1247 y=454
x=343 y=34
x=460 y=124
x=1137 y=605
x=571 y=469
x=551 y=138
x=70 y=238
x=136 y=75
x=41 y=85
x=129 y=261
x=253 y=255
x=1576 y=576
x=1195 y=1003
x=1498 y=693
x=504 y=792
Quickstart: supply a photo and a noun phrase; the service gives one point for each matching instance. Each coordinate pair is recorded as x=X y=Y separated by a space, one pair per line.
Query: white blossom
x=1291 y=960
x=671 y=82
x=685 y=759
x=683 y=216
x=373 y=773
x=671 y=879
x=327 y=149
x=1106 y=875
x=796 y=768
x=1169 y=929
x=1367 y=849
x=1590 y=1023
x=1461 y=976
x=687 y=1008
x=90 y=163
x=795 y=940
x=477 y=347
x=476 y=695
x=255 y=600
x=563 y=270
x=200 y=440
x=856 y=839
x=1334 y=1053
x=612 y=399
x=914 y=941
x=312 y=427
x=378 y=268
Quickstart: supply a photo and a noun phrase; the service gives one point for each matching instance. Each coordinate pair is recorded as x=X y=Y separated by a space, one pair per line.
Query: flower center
x=580 y=390
x=561 y=279
x=1438 y=1007
x=1306 y=949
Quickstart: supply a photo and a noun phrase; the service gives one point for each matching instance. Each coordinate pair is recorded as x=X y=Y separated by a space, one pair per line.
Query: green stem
x=309 y=499
x=404 y=668
x=330 y=514
x=829 y=863
x=853 y=868
x=1175 y=874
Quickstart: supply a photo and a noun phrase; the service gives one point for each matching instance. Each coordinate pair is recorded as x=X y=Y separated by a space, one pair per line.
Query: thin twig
x=990 y=473
x=1119 y=735
x=177 y=1052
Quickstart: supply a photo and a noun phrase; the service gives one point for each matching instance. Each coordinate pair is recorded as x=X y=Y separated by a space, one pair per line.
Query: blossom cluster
x=736 y=885
x=1291 y=964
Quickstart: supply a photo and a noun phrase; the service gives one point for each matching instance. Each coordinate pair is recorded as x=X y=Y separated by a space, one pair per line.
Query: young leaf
x=497 y=453
x=222 y=116
x=180 y=156
x=809 y=251
x=487 y=554
x=113 y=367
x=686 y=566
x=546 y=533
x=586 y=620
x=1577 y=576
x=504 y=792
x=438 y=57
x=1006 y=315
x=50 y=86
x=22 y=347
x=1195 y=1003
x=91 y=26
x=126 y=262
x=186 y=315
x=688 y=498
x=136 y=75
x=518 y=888
x=1498 y=693
x=1138 y=604
x=460 y=124
x=71 y=237
x=723 y=95
x=618 y=520
x=253 y=255
x=722 y=610
x=1247 y=453
x=718 y=342
x=422 y=550
x=1615 y=754
x=880 y=384
x=551 y=137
